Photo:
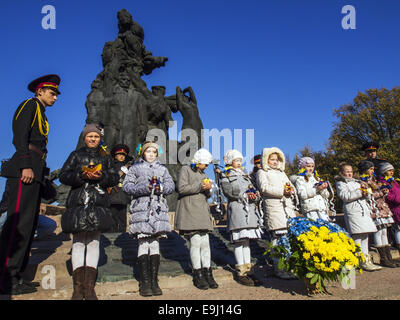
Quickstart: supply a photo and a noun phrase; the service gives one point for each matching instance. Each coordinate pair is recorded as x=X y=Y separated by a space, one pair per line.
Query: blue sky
x=278 y=67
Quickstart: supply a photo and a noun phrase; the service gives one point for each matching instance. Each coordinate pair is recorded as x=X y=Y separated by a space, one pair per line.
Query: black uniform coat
x=88 y=202
x=26 y=131
x=117 y=196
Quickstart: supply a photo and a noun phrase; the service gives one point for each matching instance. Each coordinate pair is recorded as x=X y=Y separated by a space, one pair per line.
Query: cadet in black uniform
x=25 y=172
x=119 y=199
x=370 y=149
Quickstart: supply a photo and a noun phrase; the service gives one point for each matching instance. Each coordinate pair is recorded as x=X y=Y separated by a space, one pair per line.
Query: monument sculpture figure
x=122 y=103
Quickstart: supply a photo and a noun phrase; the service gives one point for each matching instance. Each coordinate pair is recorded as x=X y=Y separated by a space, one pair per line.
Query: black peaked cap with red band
x=256 y=159
x=48 y=81
x=120 y=148
x=373 y=145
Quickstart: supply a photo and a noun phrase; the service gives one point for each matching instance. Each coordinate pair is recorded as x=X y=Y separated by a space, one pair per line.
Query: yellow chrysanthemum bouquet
x=317 y=251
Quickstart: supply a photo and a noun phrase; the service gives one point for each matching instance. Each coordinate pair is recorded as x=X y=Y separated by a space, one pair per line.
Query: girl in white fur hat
x=193 y=217
x=244 y=219
x=278 y=195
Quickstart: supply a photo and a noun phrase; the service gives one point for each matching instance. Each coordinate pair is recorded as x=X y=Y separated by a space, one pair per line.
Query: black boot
x=199 y=280
x=207 y=272
x=383 y=257
x=144 y=271
x=18 y=287
x=154 y=265
x=390 y=258
x=34 y=284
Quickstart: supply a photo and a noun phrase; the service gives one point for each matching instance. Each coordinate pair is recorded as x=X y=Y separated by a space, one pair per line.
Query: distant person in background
x=370 y=150
x=256 y=161
x=89 y=171
x=119 y=199
x=25 y=173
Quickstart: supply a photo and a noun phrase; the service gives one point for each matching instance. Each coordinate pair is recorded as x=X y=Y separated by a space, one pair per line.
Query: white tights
x=200 y=253
x=380 y=238
x=242 y=252
x=89 y=241
x=149 y=246
x=362 y=240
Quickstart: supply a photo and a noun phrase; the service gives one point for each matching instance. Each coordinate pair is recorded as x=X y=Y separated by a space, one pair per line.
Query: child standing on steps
x=277 y=195
x=312 y=192
x=193 y=217
x=381 y=214
x=357 y=211
x=148 y=181
x=386 y=178
x=89 y=171
x=244 y=219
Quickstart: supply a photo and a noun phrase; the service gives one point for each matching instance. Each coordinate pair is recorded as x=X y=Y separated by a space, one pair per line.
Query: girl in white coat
x=312 y=192
x=277 y=196
x=357 y=211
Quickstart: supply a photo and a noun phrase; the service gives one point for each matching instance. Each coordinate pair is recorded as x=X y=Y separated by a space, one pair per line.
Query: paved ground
x=50 y=260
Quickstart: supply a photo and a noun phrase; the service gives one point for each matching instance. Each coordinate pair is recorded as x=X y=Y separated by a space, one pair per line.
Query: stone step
x=118 y=255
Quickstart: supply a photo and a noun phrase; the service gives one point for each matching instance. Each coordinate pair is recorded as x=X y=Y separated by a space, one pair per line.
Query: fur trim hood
x=265 y=155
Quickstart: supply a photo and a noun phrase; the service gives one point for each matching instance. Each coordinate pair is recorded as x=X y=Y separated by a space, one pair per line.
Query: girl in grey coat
x=357 y=211
x=244 y=219
x=148 y=181
x=193 y=217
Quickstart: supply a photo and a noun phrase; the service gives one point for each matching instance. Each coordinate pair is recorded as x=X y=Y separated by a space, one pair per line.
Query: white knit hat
x=384 y=167
x=202 y=156
x=232 y=155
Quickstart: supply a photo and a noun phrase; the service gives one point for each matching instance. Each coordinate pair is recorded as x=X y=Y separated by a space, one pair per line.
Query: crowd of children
x=263 y=200
x=259 y=202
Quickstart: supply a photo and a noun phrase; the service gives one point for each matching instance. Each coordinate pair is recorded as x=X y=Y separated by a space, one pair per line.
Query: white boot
x=367 y=265
x=374 y=266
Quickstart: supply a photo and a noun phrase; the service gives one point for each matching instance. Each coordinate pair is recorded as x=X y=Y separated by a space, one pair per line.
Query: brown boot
x=390 y=258
x=251 y=275
x=78 y=278
x=241 y=276
x=90 y=282
x=384 y=261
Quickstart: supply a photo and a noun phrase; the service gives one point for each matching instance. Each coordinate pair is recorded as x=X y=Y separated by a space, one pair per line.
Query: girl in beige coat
x=278 y=195
x=193 y=217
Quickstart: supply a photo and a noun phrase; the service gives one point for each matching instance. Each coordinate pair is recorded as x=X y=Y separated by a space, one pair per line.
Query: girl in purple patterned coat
x=148 y=181
x=386 y=178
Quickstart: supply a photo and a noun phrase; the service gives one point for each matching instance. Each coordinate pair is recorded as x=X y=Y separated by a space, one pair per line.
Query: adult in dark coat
x=119 y=199
x=89 y=171
x=25 y=172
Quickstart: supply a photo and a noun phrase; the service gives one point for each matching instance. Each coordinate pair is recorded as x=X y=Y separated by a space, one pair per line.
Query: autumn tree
x=372 y=116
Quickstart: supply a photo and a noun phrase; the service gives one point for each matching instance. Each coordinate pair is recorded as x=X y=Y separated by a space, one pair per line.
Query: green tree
x=372 y=116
